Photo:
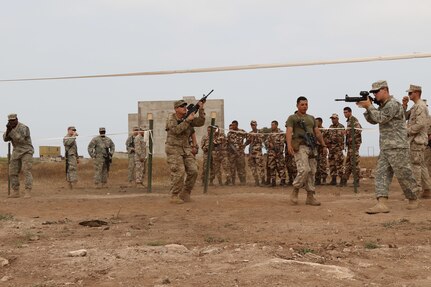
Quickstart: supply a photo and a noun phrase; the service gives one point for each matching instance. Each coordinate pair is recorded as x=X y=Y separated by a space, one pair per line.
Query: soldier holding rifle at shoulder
x=101 y=149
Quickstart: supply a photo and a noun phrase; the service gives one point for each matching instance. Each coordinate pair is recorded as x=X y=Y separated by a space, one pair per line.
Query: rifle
x=233 y=148
x=66 y=156
x=193 y=108
x=108 y=158
x=310 y=139
x=364 y=95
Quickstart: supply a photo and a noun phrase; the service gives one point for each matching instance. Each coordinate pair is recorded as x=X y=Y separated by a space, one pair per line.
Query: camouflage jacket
x=205 y=143
x=417 y=123
x=130 y=144
x=275 y=142
x=220 y=142
x=392 y=125
x=70 y=145
x=178 y=134
x=255 y=142
x=334 y=137
x=21 y=141
x=140 y=147
x=235 y=141
x=358 y=137
x=100 y=146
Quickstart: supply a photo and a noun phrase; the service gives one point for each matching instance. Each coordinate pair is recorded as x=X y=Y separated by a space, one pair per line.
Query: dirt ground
x=231 y=236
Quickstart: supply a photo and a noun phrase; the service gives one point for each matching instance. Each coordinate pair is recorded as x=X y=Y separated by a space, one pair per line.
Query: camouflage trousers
x=427 y=156
x=336 y=161
x=100 y=170
x=419 y=167
x=16 y=165
x=221 y=163
x=395 y=162
x=72 y=170
x=306 y=165
x=211 y=175
x=237 y=164
x=183 y=168
x=257 y=167
x=276 y=164
x=291 y=166
x=322 y=163
x=348 y=168
x=131 y=167
x=140 y=168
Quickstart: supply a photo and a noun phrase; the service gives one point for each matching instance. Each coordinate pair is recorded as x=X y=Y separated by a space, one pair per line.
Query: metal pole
x=8 y=163
x=150 y=156
x=353 y=159
x=210 y=149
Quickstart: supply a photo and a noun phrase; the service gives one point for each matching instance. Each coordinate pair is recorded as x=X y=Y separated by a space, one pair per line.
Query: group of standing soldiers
x=228 y=154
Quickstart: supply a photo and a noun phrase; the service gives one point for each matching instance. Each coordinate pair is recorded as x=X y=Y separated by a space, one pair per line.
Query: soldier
x=348 y=167
x=417 y=130
x=101 y=149
x=235 y=141
x=322 y=157
x=205 y=143
x=275 y=143
x=221 y=157
x=334 y=138
x=130 y=147
x=255 y=158
x=22 y=155
x=140 y=147
x=71 y=156
x=394 y=148
x=179 y=155
x=300 y=135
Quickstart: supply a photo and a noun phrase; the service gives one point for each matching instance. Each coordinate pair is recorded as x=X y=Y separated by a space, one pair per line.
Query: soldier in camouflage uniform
x=221 y=157
x=417 y=129
x=334 y=138
x=322 y=157
x=71 y=156
x=255 y=157
x=427 y=152
x=348 y=167
x=275 y=143
x=140 y=157
x=290 y=166
x=130 y=147
x=235 y=141
x=205 y=143
x=394 y=148
x=22 y=155
x=101 y=148
x=181 y=161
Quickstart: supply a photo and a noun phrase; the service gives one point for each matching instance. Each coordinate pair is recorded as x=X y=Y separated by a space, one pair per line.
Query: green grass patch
x=6 y=217
x=371 y=245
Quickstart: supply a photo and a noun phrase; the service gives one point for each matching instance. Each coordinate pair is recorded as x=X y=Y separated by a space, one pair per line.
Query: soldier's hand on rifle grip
x=405 y=101
x=364 y=104
x=191 y=117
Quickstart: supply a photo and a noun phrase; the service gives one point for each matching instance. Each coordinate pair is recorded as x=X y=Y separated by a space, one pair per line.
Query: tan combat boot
x=413 y=204
x=185 y=196
x=27 y=193
x=14 y=194
x=426 y=194
x=311 y=200
x=294 y=196
x=380 y=206
x=176 y=200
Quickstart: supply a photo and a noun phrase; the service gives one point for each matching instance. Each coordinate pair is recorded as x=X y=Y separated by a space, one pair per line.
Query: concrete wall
x=161 y=110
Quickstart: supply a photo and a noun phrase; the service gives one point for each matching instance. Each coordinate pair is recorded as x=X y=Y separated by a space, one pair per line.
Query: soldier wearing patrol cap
x=394 y=156
x=181 y=161
x=255 y=141
x=140 y=145
x=334 y=139
x=71 y=156
x=22 y=155
x=101 y=148
x=417 y=129
x=130 y=147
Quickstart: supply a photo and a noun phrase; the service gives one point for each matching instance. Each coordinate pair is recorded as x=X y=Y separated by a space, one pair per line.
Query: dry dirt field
x=232 y=236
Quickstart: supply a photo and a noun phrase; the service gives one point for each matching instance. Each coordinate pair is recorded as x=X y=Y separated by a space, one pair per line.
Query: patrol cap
x=334 y=116
x=102 y=130
x=253 y=122
x=135 y=128
x=378 y=85
x=414 y=88
x=12 y=117
x=180 y=103
x=71 y=128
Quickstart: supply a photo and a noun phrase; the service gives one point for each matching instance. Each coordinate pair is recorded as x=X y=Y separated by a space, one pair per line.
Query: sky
x=85 y=37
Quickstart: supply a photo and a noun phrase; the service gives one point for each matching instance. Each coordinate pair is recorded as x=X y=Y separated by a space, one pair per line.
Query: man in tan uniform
x=140 y=157
x=101 y=149
x=179 y=155
x=417 y=130
x=71 y=156
x=22 y=155
x=130 y=146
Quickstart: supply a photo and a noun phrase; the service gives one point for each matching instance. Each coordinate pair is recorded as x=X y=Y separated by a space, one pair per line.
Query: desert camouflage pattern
x=275 y=142
x=140 y=158
x=235 y=141
x=221 y=157
x=255 y=143
x=291 y=166
x=334 y=139
x=97 y=150
x=348 y=168
x=130 y=147
x=322 y=163
x=72 y=158
x=306 y=165
x=205 y=143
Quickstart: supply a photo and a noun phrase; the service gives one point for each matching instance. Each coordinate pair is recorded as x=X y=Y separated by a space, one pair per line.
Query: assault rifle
x=193 y=108
x=364 y=95
x=108 y=158
x=310 y=139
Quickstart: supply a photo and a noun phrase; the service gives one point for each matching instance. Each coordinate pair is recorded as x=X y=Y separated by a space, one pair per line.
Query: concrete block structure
x=161 y=110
